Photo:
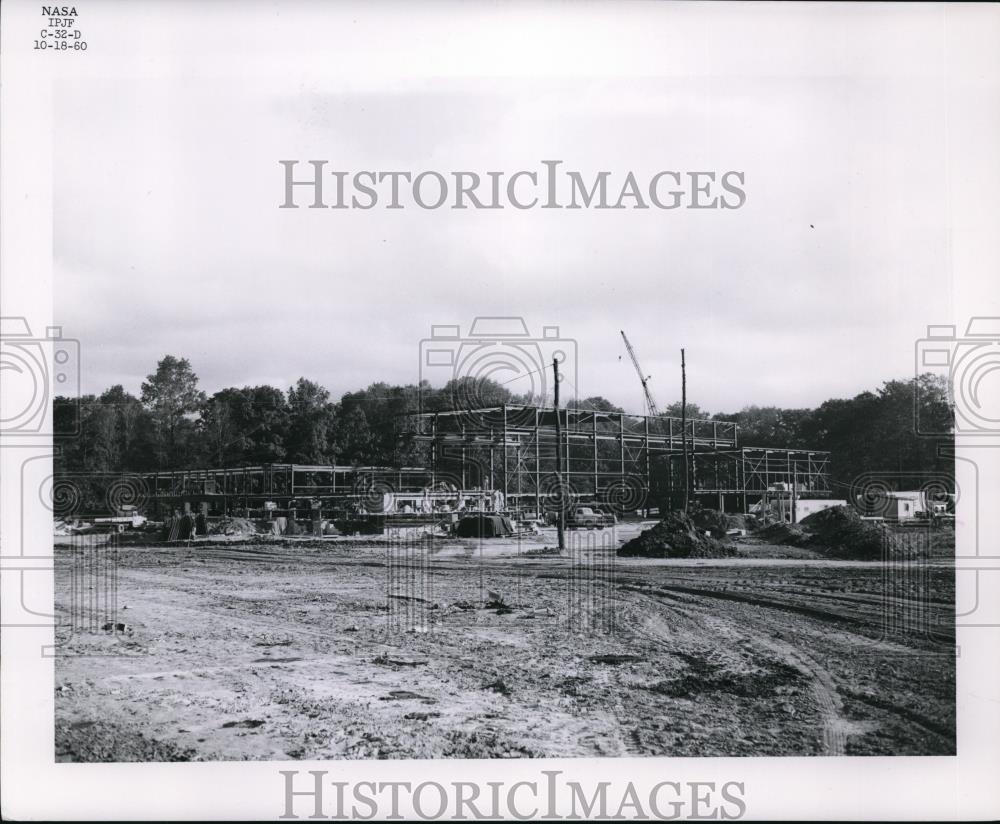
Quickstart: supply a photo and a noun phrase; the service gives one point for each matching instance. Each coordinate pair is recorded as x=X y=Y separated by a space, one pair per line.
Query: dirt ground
x=411 y=648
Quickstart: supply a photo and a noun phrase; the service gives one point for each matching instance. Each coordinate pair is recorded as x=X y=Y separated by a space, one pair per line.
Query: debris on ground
x=721 y=524
x=398 y=661
x=421 y=716
x=495 y=600
x=416 y=598
x=118 y=627
x=403 y=695
x=615 y=660
x=676 y=536
x=233 y=526
x=499 y=686
x=541 y=552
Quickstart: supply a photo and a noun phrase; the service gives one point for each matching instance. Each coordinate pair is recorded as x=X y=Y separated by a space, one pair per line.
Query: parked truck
x=586 y=517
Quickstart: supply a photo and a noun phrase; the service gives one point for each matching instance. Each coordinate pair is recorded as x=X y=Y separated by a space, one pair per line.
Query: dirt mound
x=737 y=521
x=720 y=523
x=782 y=533
x=842 y=532
x=838 y=532
x=711 y=520
x=233 y=526
x=676 y=536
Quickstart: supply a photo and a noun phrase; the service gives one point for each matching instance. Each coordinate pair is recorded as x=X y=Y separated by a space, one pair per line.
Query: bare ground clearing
x=352 y=651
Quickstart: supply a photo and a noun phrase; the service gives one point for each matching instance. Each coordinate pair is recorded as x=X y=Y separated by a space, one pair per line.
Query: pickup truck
x=585 y=517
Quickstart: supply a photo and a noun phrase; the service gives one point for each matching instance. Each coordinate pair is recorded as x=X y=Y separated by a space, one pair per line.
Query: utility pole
x=561 y=513
x=795 y=495
x=684 y=436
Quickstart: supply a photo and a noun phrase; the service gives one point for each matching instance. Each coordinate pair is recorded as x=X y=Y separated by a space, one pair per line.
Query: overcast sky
x=168 y=236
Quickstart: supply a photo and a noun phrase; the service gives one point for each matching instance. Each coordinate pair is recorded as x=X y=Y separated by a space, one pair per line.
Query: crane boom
x=653 y=409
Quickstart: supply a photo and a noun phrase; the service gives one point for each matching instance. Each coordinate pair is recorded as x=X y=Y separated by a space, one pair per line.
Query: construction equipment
x=653 y=409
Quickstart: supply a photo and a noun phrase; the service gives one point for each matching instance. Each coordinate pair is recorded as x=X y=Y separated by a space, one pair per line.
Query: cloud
x=168 y=238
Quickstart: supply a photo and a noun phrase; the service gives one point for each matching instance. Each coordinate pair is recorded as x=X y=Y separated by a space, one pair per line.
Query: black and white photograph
x=579 y=391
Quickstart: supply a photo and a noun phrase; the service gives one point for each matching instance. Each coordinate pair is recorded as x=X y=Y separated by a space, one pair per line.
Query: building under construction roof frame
x=276 y=489
x=623 y=461
x=618 y=459
x=741 y=478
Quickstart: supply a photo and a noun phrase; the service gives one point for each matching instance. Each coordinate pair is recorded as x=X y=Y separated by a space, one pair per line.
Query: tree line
x=173 y=424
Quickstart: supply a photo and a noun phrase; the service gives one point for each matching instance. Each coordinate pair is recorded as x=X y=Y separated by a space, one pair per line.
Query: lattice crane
x=654 y=411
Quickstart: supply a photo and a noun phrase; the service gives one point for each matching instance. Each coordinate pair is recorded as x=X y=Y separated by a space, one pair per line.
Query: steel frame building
x=623 y=460
x=737 y=479
x=252 y=491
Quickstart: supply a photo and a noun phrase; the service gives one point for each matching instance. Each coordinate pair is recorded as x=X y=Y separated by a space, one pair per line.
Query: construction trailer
x=622 y=461
x=906 y=505
x=804 y=507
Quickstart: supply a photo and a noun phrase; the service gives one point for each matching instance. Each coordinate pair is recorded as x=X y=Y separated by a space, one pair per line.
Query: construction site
x=547 y=581
x=519 y=460
x=500 y=459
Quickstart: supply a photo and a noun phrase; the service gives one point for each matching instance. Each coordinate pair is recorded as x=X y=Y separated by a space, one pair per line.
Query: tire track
x=821 y=685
